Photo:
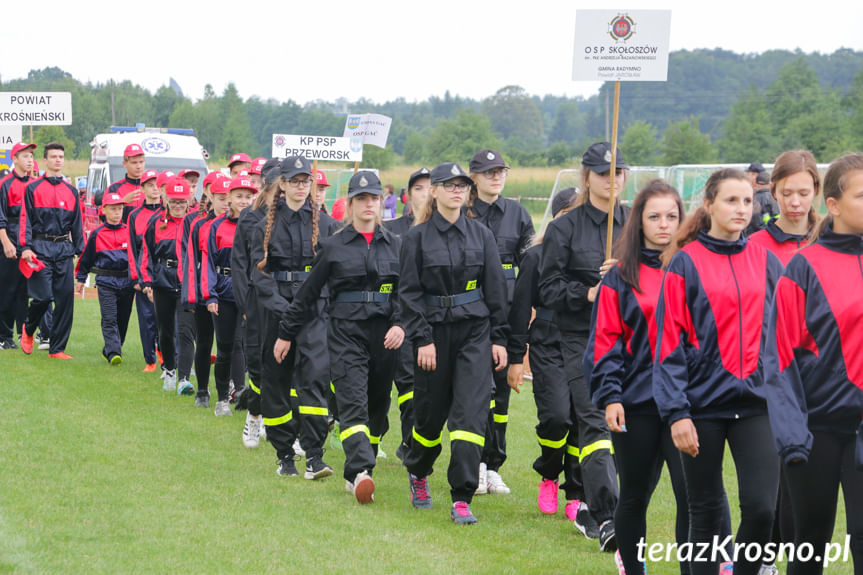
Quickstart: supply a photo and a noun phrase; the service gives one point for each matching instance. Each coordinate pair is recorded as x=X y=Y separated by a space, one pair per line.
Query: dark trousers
x=13 y=298
x=252 y=345
x=116 y=307
x=167 y=304
x=590 y=431
x=362 y=371
x=55 y=283
x=276 y=404
x=204 y=335
x=494 y=452
x=147 y=326
x=814 y=491
x=310 y=377
x=641 y=452
x=457 y=393
x=751 y=442
x=404 y=380
x=230 y=362
x=186 y=334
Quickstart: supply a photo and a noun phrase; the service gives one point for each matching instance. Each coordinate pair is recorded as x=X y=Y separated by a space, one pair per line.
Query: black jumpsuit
x=362 y=279
x=572 y=253
x=453 y=295
x=307 y=367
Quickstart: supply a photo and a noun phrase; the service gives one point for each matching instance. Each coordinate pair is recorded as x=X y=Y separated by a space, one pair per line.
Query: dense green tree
x=559 y=154
x=378 y=158
x=456 y=140
x=46 y=134
x=683 y=143
x=414 y=151
x=568 y=124
x=640 y=144
x=514 y=114
x=748 y=134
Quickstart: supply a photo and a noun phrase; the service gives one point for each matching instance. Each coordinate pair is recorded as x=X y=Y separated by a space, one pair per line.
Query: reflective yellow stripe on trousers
x=310 y=410
x=406 y=397
x=595 y=446
x=467 y=436
x=552 y=443
x=426 y=442
x=352 y=430
x=273 y=421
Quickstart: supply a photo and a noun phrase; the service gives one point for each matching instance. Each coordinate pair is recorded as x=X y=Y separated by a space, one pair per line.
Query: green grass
x=103 y=472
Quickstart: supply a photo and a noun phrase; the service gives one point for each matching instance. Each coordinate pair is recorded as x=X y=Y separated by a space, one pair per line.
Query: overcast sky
x=382 y=50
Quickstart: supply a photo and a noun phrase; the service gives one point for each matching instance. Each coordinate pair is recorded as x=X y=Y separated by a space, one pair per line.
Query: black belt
x=56 y=239
x=223 y=271
x=111 y=273
x=508 y=271
x=285 y=276
x=168 y=263
x=544 y=314
x=453 y=300
x=362 y=297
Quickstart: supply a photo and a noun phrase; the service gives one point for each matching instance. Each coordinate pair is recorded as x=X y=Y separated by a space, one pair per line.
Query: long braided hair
x=271 y=217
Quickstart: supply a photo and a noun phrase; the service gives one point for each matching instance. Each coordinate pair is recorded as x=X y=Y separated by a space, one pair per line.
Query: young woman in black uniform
x=453 y=306
x=284 y=245
x=359 y=265
x=513 y=231
x=573 y=259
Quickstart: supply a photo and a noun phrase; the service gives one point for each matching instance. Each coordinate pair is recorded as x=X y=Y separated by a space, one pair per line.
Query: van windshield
x=117 y=171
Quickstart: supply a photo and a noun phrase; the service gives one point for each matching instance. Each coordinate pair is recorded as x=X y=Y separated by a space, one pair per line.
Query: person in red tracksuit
x=161 y=273
x=814 y=371
x=51 y=230
x=794 y=183
x=129 y=187
x=137 y=222
x=13 y=289
x=107 y=256
x=217 y=292
x=707 y=377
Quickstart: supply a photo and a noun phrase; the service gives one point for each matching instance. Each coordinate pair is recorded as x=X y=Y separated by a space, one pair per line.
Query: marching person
x=573 y=261
x=217 y=292
x=707 y=376
x=283 y=246
x=135 y=164
x=13 y=289
x=137 y=222
x=256 y=172
x=418 y=190
x=453 y=306
x=359 y=265
x=513 y=231
x=160 y=271
x=107 y=256
x=814 y=373
x=51 y=231
x=321 y=186
x=238 y=163
x=618 y=367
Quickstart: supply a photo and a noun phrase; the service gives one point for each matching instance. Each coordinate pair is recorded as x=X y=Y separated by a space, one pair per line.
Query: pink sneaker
x=571 y=509
x=547 y=498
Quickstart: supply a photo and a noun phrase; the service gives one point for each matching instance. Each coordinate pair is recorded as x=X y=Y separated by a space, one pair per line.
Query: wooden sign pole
x=609 y=239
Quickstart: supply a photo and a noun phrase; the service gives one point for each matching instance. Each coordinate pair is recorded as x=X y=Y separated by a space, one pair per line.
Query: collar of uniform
x=153 y=206
x=114 y=226
x=442 y=224
x=722 y=246
x=483 y=207
x=844 y=243
x=781 y=236
x=24 y=178
x=598 y=216
x=650 y=258
x=133 y=181
x=349 y=232
x=54 y=180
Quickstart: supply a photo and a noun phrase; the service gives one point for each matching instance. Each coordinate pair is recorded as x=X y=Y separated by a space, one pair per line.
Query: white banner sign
x=9 y=136
x=372 y=128
x=323 y=148
x=621 y=45
x=35 y=108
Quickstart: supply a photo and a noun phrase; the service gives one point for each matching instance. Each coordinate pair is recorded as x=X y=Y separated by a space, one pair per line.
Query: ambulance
x=171 y=149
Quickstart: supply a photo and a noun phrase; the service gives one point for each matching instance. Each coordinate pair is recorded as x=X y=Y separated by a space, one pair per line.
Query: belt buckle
x=368 y=297
x=446 y=301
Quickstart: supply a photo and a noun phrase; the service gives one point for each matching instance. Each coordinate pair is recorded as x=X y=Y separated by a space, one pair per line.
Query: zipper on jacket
x=739 y=313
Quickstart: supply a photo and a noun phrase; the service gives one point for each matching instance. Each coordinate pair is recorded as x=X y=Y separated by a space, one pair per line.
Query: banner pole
x=609 y=239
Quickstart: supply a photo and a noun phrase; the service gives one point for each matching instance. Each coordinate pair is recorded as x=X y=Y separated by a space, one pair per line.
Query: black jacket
x=512 y=228
x=526 y=299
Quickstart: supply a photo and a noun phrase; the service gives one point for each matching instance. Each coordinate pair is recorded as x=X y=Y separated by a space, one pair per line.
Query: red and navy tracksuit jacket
x=51 y=211
x=138 y=220
x=618 y=359
x=12 y=189
x=814 y=359
x=783 y=245
x=107 y=256
x=123 y=187
x=161 y=254
x=194 y=243
x=711 y=321
x=216 y=284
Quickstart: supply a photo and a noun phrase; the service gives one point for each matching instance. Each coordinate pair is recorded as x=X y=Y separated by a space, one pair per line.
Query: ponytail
x=271 y=217
x=316 y=216
x=164 y=220
x=472 y=196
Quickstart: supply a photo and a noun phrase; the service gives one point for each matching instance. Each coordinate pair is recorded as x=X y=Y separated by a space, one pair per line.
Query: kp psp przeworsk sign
x=621 y=45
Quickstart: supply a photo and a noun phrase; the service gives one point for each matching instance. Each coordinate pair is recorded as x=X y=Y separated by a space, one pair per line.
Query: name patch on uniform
x=471 y=285
x=506 y=266
x=308 y=268
x=386 y=288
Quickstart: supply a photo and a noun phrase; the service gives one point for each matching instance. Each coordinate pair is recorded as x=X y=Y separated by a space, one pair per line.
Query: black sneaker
x=287 y=467
x=585 y=523
x=8 y=344
x=420 y=496
x=317 y=469
x=402 y=452
x=202 y=399
x=607 y=540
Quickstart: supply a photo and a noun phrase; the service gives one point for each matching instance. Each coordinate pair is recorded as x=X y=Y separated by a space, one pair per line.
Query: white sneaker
x=298 y=451
x=768 y=570
x=223 y=408
x=252 y=431
x=495 y=483
x=364 y=487
x=170 y=380
x=482 y=484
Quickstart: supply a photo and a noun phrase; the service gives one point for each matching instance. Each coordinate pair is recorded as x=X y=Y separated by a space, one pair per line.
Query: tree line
x=717 y=106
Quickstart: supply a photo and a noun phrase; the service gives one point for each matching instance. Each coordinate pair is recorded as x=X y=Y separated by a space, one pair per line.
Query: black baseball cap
x=762 y=178
x=562 y=200
x=598 y=158
x=364 y=182
x=419 y=174
x=486 y=160
x=755 y=167
x=295 y=165
x=446 y=172
x=271 y=170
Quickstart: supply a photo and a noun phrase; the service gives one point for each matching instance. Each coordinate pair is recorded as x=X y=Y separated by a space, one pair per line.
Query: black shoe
x=607 y=540
x=287 y=467
x=402 y=452
x=202 y=399
x=317 y=469
x=8 y=344
x=585 y=523
x=242 y=398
